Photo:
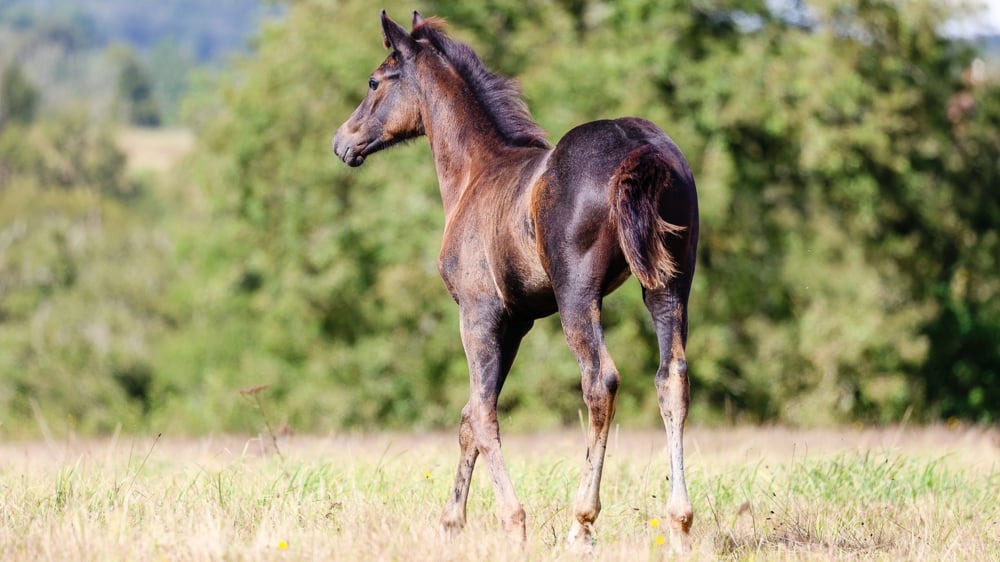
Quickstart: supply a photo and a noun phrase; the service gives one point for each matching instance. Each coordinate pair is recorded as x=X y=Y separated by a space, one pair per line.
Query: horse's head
x=390 y=112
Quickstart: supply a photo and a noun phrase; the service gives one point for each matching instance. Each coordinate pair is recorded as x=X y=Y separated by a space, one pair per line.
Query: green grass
x=758 y=493
x=860 y=505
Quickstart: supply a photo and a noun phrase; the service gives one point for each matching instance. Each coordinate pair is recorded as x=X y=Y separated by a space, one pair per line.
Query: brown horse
x=531 y=229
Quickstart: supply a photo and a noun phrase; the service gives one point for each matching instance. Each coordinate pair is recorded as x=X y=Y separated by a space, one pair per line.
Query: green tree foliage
x=830 y=177
x=18 y=97
x=847 y=163
x=81 y=273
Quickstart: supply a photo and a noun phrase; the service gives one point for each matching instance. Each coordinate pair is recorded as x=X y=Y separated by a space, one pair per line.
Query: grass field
x=154 y=150
x=890 y=494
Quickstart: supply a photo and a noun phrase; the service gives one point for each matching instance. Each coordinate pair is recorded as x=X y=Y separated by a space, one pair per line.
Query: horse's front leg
x=491 y=339
x=453 y=518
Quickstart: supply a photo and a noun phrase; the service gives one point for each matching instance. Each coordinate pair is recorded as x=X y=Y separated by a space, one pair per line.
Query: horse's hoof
x=680 y=529
x=516 y=527
x=451 y=526
x=581 y=538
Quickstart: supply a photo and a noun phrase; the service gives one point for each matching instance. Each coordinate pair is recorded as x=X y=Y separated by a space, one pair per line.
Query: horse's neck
x=464 y=142
x=455 y=170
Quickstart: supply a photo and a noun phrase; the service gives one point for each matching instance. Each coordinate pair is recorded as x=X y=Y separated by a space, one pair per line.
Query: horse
x=532 y=229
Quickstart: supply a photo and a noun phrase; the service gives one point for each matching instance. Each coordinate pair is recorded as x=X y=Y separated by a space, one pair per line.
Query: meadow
x=759 y=494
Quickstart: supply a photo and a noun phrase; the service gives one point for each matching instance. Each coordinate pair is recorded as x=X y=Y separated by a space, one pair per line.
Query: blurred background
x=174 y=227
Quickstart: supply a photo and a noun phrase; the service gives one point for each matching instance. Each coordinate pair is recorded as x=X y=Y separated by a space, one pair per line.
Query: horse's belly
x=525 y=286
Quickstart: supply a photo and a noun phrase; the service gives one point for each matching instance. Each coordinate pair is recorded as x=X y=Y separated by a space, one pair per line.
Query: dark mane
x=499 y=95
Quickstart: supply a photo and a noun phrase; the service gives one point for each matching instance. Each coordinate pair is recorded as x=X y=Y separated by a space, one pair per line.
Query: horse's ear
x=417 y=19
x=396 y=38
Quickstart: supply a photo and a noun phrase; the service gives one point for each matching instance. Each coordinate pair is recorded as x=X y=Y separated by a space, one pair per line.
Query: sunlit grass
x=379 y=497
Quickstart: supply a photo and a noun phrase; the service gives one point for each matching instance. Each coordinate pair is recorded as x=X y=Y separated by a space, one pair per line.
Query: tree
x=847 y=172
x=18 y=97
x=818 y=140
x=135 y=91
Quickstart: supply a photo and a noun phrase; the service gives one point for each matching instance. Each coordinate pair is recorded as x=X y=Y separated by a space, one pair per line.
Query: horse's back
x=595 y=149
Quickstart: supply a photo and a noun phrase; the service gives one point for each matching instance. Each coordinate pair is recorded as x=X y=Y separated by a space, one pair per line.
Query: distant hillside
x=74 y=50
x=210 y=29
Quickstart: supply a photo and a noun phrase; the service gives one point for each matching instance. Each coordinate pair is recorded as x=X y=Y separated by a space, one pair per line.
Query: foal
x=531 y=229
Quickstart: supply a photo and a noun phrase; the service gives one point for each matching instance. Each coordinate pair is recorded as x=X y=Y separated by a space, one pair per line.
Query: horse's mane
x=500 y=96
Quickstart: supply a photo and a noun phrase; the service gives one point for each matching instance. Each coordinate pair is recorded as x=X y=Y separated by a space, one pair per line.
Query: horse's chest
x=464 y=273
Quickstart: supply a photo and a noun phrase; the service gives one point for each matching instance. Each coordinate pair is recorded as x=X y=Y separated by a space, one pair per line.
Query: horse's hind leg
x=668 y=307
x=491 y=340
x=581 y=320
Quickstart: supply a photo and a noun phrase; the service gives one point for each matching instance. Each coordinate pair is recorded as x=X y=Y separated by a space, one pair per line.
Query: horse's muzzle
x=346 y=151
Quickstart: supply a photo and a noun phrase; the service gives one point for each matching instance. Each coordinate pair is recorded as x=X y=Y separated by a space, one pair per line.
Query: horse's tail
x=635 y=201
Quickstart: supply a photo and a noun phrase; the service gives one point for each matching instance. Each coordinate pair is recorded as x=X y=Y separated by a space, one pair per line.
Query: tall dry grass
x=921 y=494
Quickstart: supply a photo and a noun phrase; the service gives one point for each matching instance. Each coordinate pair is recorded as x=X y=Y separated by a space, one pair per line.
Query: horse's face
x=390 y=112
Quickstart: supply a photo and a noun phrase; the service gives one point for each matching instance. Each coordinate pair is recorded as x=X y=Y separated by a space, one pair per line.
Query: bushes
x=82 y=272
x=847 y=261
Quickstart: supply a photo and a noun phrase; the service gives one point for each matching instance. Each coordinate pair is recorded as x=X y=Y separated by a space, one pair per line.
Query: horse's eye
x=372 y=83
